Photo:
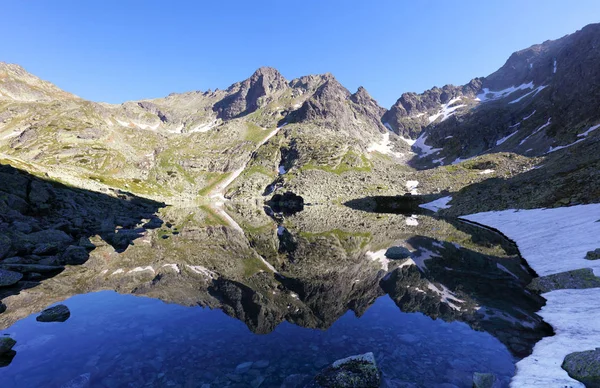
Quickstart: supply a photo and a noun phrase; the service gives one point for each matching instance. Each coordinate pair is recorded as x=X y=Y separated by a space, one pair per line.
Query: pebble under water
x=127 y=341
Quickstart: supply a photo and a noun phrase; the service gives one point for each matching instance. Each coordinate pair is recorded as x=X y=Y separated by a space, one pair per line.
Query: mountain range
x=490 y=143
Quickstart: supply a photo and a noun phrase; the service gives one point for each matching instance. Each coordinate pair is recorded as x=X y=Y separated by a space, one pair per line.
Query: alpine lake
x=237 y=295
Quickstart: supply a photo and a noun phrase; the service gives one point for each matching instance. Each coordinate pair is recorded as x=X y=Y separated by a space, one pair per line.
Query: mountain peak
x=18 y=84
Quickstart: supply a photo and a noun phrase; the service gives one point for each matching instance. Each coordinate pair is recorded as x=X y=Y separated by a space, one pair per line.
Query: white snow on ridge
x=205 y=127
x=537 y=130
x=505 y=138
x=534 y=92
x=584 y=134
x=532 y=113
x=446 y=110
x=581 y=135
x=488 y=95
x=487 y=171
x=385 y=147
x=440 y=203
x=413 y=220
x=424 y=148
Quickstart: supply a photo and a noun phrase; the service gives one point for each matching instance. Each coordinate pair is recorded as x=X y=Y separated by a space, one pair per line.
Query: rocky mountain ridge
x=309 y=134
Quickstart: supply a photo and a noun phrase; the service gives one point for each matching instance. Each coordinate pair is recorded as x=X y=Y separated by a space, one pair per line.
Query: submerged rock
x=6 y=344
x=584 y=367
x=593 y=255
x=9 y=278
x=82 y=381
x=483 y=380
x=58 y=313
x=576 y=279
x=354 y=371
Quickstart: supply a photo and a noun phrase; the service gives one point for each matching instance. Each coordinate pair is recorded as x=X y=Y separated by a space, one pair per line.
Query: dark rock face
x=45 y=225
x=483 y=380
x=58 y=313
x=577 y=279
x=584 y=367
x=351 y=372
x=9 y=278
x=6 y=344
x=251 y=94
x=287 y=203
x=593 y=255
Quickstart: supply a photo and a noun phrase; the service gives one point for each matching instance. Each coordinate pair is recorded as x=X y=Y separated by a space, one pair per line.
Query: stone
x=354 y=371
x=9 y=278
x=22 y=227
x=26 y=268
x=257 y=382
x=576 y=279
x=2 y=307
x=408 y=339
x=593 y=255
x=261 y=364
x=483 y=380
x=6 y=344
x=5 y=246
x=397 y=253
x=82 y=381
x=58 y=313
x=584 y=367
x=243 y=367
x=75 y=255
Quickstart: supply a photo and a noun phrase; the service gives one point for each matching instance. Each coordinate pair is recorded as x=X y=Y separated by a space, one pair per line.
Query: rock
x=2 y=307
x=86 y=243
x=593 y=255
x=354 y=371
x=5 y=246
x=243 y=367
x=483 y=380
x=82 y=381
x=261 y=364
x=397 y=253
x=294 y=381
x=9 y=278
x=408 y=339
x=576 y=279
x=22 y=227
x=257 y=382
x=58 y=313
x=6 y=344
x=584 y=367
x=26 y=268
x=75 y=255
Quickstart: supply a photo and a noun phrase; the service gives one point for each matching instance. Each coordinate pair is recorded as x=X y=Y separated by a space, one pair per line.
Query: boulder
x=584 y=367
x=58 y=313
x=354 y=371
x=75 y=255
x=576 y=279
x=397 y=253
x=9 y=278
x=483 y=380
x=5 y=245
x=6 y=344
x=593 y=255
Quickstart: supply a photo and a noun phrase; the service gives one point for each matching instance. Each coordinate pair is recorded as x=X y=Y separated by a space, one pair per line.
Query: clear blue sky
x=118 y=50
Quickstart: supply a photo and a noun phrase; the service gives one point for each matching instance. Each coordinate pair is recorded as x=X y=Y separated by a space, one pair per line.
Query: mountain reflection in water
x=435 y=300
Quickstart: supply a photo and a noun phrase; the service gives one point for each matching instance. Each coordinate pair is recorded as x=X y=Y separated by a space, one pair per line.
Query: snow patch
x=487 y=171
x=379 y=256
x=440 y=203
x=534 y=92
x=554 y=68
x=202 y=271
x=205 y=127
x=446 y=110
x=412 y=220
x=174 y=267
x=385 y=146
x=488 y=95
x=412 y=187
x=505 y=138
x=447 y=296
x=537 y=130
x=532 y=113
x=424 y=148
x=281 y=170
x=551 y=240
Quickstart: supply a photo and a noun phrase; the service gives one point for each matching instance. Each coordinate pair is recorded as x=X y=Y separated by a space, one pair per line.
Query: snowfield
x=554 y=241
